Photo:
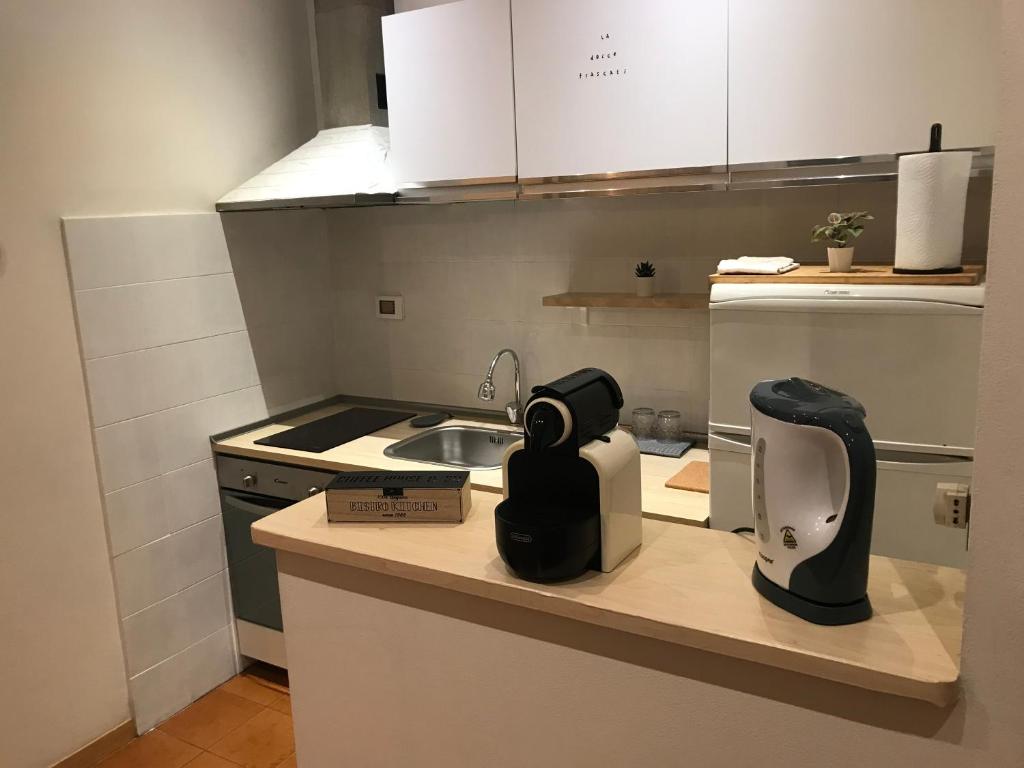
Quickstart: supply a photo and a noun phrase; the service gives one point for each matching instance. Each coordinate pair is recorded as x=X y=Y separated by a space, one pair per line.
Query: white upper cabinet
x=450 y=98
x=619 y=85
x=811 y=79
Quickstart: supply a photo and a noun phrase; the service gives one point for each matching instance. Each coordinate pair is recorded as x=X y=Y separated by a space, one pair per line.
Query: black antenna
x=935 y=139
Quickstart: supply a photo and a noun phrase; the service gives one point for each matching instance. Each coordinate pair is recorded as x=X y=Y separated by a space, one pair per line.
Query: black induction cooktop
x=331 y=431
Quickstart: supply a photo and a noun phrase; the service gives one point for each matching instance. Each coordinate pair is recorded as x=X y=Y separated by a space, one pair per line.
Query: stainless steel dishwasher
x=250 y=490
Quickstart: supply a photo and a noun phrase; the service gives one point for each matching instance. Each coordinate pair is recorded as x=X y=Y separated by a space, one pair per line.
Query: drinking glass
x=669 y=426
x=643 y=423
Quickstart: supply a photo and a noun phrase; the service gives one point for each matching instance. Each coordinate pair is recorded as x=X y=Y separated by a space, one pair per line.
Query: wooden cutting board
x=693 y=477
x=867 y=274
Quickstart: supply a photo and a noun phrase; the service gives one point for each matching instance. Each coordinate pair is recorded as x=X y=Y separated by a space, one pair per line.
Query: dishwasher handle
x=260 y=506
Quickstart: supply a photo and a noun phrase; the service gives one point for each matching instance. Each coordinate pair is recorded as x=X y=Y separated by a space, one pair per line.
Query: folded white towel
x=757 y=265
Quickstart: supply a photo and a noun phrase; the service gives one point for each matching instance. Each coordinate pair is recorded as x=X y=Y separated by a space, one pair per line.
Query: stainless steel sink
x=463 y=447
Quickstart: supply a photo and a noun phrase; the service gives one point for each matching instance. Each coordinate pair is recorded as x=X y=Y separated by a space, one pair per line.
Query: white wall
x=108 y=106
x=473 y=277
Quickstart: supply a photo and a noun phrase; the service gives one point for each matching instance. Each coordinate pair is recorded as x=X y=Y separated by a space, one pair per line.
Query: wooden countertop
x=686 y=585
x=367 y=452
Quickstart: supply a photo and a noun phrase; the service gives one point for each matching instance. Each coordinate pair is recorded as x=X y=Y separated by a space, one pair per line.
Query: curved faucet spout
x=514 y=408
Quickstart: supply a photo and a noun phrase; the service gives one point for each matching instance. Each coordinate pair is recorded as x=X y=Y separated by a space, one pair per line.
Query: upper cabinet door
x=450 y=99
x=619 y=85
x=811 y=80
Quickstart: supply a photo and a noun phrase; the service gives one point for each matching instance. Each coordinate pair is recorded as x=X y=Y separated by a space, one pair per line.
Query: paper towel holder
x=934 y=147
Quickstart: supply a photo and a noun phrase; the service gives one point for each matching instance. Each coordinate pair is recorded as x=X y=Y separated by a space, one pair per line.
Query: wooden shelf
x=867 y=274
x=628 y=301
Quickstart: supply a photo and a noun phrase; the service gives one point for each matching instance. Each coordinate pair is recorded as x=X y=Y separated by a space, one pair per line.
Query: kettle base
x=809 y=610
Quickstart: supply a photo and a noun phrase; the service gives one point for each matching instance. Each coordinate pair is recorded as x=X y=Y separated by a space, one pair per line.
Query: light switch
x=390 y=307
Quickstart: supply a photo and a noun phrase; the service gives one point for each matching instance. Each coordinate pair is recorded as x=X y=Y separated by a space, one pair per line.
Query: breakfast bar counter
x=686 y=586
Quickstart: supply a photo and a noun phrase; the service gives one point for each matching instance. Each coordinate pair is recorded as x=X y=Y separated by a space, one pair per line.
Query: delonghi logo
x=522 y=538
x=765 y=557
x=836 y=292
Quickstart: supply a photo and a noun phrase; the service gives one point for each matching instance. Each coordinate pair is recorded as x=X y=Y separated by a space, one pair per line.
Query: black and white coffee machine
x=813 y=494
x=572 y=485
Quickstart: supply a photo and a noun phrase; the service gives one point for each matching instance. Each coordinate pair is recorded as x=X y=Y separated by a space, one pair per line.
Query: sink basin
x=462 y=447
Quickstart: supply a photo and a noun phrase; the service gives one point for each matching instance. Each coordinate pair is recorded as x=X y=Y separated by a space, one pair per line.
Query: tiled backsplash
x=473 y=277
x=181 y=340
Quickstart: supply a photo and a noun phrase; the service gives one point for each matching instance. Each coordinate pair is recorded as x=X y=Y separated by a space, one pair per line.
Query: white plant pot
x=645 y=286
x=840 y=259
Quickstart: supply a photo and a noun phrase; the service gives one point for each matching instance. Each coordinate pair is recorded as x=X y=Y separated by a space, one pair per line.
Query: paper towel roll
x=931 y=199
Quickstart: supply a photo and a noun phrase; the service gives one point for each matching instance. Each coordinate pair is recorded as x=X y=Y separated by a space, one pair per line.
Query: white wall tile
x=211 y=661
x=172 y=685
x=127 y=318
x=135 y=515
x=146 y=511
x=190 y=325
x=148 y=574
x=170 y=626
x=294 y=362
x=136 y=383
x=457 y=389
x=138 y=449
x=120 y=250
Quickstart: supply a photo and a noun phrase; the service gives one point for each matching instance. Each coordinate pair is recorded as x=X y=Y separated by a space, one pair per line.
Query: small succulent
x=645 y=269
x=842 y=228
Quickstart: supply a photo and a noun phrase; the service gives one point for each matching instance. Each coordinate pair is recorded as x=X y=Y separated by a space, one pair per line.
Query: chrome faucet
x=486 y=392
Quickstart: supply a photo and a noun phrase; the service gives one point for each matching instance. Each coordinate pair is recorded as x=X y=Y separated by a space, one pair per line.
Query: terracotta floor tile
x=248 y=688
x=282 y=704
x=153 y=750
x=263 y=742
x=210 y=719
x=209 y=760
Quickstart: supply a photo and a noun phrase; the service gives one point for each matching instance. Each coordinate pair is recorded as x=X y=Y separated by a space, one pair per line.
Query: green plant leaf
x=842 y=232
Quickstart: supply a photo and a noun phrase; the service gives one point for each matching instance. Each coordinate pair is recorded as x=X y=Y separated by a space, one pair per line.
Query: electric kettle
x=813 y=495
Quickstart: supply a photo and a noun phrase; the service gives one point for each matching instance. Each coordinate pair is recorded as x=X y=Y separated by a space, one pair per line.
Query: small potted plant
x=644 y=272
x=841 y=230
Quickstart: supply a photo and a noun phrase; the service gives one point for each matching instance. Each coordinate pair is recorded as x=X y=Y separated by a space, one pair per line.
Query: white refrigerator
x=909 y=354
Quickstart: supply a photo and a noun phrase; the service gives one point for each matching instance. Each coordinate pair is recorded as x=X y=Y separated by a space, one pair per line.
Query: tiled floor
x=245 y=722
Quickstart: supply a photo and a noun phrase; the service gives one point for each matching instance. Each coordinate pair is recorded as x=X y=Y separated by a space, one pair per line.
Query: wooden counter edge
x=939 y=692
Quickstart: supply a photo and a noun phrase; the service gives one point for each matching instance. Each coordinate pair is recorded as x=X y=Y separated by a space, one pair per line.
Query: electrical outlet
x=952 y=505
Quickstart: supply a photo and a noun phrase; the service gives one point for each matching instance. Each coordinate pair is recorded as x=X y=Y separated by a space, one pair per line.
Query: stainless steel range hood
x=347 y=163
x=338 y=168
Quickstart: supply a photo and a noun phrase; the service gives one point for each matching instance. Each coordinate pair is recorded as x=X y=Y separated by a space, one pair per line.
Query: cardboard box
x=389 y=497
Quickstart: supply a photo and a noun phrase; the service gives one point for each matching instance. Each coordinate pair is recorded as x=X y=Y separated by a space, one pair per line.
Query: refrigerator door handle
x=732 y=441
x=925 y=463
